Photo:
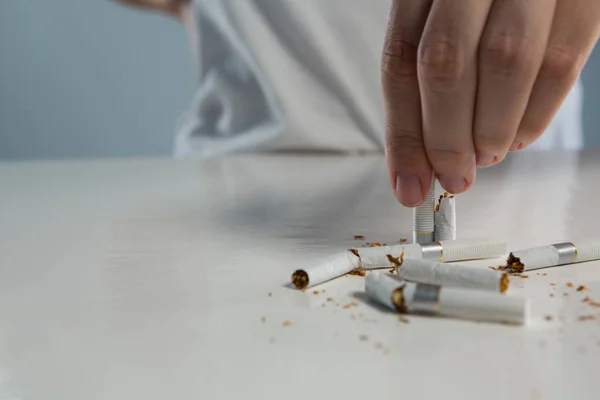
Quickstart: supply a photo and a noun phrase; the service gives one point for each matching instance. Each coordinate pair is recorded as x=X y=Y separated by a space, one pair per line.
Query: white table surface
x=148 y=279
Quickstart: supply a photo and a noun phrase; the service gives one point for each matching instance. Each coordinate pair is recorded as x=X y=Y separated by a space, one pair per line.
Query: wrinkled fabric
x=300 y=75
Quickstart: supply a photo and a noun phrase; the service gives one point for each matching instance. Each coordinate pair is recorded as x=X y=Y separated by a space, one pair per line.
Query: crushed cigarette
x=363 y=338
x=263 y=319
x=581 y=288
x=286 y=324
x=587 y=318
x=570 y=284
x=359 y=237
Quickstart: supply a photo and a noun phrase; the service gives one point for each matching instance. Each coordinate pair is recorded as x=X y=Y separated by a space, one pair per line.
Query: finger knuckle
x=492 y=143
x=441 y=63
x=403 y=141
x=399 y=58
x=561 y=62
x=449 y=159
x=505 y=53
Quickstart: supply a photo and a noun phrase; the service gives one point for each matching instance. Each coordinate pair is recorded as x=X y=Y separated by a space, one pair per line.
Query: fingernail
x=452 y=184
x=516 y=146
x=485 y=160
x=408 y=189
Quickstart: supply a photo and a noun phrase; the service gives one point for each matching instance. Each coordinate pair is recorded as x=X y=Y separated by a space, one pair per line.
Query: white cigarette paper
x=445 y=218
x=468 y=304
x=444 y=251
x=330 y=268
x=453 y=275
x=423 y=218
x=553 y=255
x=392 y=256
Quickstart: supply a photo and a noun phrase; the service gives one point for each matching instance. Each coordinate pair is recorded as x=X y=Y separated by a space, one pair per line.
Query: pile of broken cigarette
x=426 y=277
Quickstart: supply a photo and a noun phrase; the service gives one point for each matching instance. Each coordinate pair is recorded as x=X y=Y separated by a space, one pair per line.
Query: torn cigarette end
x=300 y=279
x=504 y=283
x=514 y=264
x=398 y=299
x=397 y=261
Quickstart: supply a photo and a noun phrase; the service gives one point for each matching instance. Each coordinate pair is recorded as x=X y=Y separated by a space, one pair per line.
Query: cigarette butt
x=423 y=218
x=553 y=255
x=453 y=275
x=330 y=268
x=435 y=300
x=445 y=219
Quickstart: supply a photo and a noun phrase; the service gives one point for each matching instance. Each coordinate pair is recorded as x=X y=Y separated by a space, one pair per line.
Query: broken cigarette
x=330 y=268
x=435 y=300
x=453 y=275
x=423 y=219
x=445 y=218
x=553 y=255
x=391 y=257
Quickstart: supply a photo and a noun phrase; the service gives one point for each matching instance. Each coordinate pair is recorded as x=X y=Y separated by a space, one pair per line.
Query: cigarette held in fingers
x=423 y=218
x=435 y=300
x=445 y=218
x=552 y=255
x=453 y=275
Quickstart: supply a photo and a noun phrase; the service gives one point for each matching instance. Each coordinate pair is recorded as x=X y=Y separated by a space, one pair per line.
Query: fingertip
x=409 y=189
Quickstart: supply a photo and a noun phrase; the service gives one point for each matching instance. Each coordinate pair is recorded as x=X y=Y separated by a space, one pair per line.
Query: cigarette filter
x=443 y=251
x=435 y=300
x=453 y=275
x=553 y=255
x=445 y=218
x=332 y=267
x=423 y=219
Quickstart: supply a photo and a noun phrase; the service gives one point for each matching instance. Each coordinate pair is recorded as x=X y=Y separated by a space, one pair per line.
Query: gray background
x=90 y=78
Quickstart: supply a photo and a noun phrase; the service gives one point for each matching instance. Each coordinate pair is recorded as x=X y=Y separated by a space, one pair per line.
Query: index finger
x=408 y=166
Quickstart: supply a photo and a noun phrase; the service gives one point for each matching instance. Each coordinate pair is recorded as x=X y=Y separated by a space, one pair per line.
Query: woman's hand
x=467 y=81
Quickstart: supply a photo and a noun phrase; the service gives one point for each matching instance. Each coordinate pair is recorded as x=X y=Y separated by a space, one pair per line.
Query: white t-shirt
x=300 y=75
